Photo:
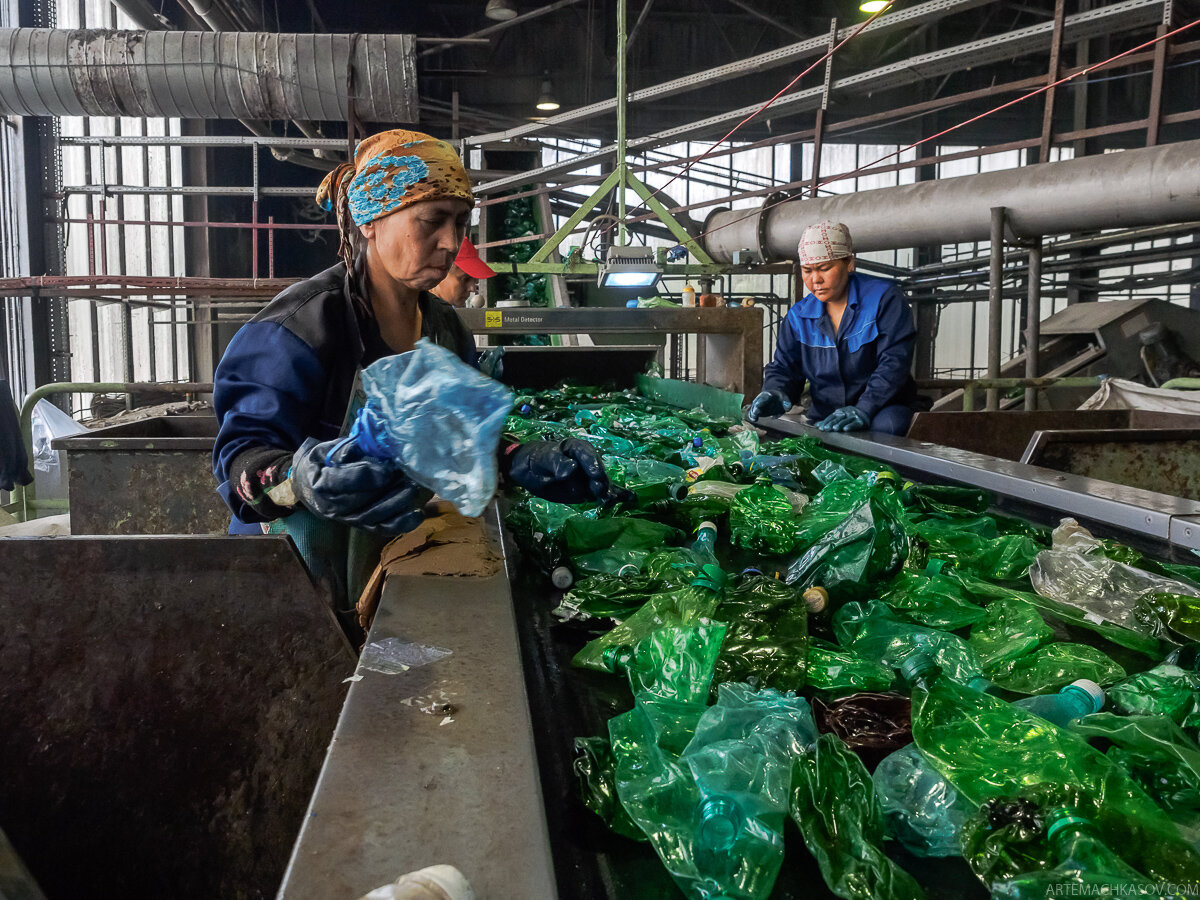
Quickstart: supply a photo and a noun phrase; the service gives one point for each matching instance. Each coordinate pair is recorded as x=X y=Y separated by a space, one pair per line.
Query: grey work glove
x=848 y=418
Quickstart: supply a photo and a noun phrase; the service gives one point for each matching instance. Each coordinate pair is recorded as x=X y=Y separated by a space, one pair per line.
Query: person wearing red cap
x=464 y=277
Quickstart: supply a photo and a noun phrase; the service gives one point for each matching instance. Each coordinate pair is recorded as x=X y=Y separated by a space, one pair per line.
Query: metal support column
x=995 y=303
x=1033 y=320
x=621 y=164
x=819 y=130
x=1052 y=76
x=1154 y=114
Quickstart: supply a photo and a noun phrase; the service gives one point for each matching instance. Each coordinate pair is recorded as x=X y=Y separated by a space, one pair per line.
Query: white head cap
x=823 y=242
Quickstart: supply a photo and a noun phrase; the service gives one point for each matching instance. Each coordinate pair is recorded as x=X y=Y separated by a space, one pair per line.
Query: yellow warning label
x=492 y=319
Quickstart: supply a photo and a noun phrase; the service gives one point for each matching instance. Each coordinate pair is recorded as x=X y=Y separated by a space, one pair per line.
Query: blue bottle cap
x=697 y=442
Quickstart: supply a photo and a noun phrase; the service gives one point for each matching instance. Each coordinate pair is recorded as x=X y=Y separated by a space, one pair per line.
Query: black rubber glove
x=567 y=471
x=255 y=472
x=336 y=480
x=768 y=403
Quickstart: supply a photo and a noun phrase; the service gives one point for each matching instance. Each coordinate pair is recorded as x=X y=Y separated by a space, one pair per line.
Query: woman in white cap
x=851 y=338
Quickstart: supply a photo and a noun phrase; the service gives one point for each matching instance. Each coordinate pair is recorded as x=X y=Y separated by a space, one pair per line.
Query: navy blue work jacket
x=288 y=373
x=866 y=363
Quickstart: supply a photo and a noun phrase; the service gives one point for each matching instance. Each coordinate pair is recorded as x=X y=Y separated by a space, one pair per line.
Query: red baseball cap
x=468 y=260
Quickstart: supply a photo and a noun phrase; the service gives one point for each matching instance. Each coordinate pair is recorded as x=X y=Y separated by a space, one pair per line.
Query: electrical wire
x=868 y=167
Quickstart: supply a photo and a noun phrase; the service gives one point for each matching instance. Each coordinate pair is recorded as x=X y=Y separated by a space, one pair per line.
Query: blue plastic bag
x=439 y=420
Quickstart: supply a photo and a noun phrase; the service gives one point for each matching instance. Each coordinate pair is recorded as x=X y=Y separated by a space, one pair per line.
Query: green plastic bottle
x=989 y=749
x=1011 y=629
x=1081 y=859
x=741 y=758
x=676 y=607
x=661 y=795
x=933 y=600
x=767 y=638
x=1051 y=666
x=837 y=671
x=606 y=597
x=761 y=519
x=673 y=663
x=649 y=479
x=593 y=766
x=860 y=550
x=582 y=534
x=835 y=806
x=872 y=630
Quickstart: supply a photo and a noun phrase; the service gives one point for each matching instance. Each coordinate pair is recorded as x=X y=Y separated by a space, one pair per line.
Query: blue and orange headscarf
x=391 y=170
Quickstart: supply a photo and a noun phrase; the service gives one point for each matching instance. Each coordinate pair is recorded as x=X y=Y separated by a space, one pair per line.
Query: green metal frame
x=972 y=387
x=619 y=179
x=24 y=497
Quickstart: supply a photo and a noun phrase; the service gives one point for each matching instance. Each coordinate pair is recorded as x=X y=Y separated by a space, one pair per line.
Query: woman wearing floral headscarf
x=403 y=207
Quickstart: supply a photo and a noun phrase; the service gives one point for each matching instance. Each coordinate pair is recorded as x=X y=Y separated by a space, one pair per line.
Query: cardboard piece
x=445 y=544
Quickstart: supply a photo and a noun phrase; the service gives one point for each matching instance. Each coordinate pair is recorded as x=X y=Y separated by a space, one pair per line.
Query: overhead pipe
x=1150 y=186
x=207 y=75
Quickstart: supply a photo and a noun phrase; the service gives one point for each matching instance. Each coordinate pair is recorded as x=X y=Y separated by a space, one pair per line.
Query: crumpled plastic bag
x=441 y=421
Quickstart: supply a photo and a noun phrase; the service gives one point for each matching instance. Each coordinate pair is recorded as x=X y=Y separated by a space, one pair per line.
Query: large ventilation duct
x=204 y=75
x=1154 y=186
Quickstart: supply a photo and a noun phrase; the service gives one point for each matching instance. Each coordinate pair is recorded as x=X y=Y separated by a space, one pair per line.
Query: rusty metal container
x=152 y=476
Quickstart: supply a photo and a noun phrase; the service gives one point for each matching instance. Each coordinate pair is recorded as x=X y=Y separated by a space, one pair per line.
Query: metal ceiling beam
x=923 y=12
x=1127 y=14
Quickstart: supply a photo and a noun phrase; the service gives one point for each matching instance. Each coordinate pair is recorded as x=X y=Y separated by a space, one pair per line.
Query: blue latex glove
x=337 y=480
x=848 y=418
x=768 y=403
x=567 y=471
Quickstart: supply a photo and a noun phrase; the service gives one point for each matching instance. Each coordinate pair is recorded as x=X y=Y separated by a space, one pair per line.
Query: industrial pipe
x=208 y=75
x=1151 y=186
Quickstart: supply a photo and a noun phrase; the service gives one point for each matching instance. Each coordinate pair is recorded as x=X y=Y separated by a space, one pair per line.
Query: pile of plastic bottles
x=809 y=637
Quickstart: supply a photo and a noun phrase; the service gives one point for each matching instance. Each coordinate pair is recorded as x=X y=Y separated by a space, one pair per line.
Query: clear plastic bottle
x=1079 y=698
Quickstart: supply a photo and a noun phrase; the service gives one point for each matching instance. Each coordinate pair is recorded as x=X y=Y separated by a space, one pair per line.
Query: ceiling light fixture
x=546 y=101
x=628 y=267
x=874 y=6
x=500 y=10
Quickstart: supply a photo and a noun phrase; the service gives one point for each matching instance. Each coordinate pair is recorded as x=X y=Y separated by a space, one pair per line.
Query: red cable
x=982 y=115
x=782 y=91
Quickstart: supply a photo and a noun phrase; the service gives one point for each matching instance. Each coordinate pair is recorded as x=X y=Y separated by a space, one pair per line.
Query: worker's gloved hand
x=255 y=472
x=848 y=418
x=768 y=403
x=567 y=471
x=336 y=480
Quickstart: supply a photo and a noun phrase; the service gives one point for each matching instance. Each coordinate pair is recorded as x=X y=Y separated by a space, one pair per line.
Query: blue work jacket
x=866 y=363
x=288 y=373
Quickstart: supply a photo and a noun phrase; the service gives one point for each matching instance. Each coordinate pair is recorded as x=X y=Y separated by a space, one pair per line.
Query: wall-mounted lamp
x=500 y=10
x=874 y=6
x=546 y=101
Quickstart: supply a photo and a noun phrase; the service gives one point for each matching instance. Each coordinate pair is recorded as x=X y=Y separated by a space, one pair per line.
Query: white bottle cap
x=562 y=577
x=1093 y=690
x=706 y=524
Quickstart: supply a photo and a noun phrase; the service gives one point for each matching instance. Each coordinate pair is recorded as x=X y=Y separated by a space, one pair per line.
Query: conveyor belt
x=1159 y=518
